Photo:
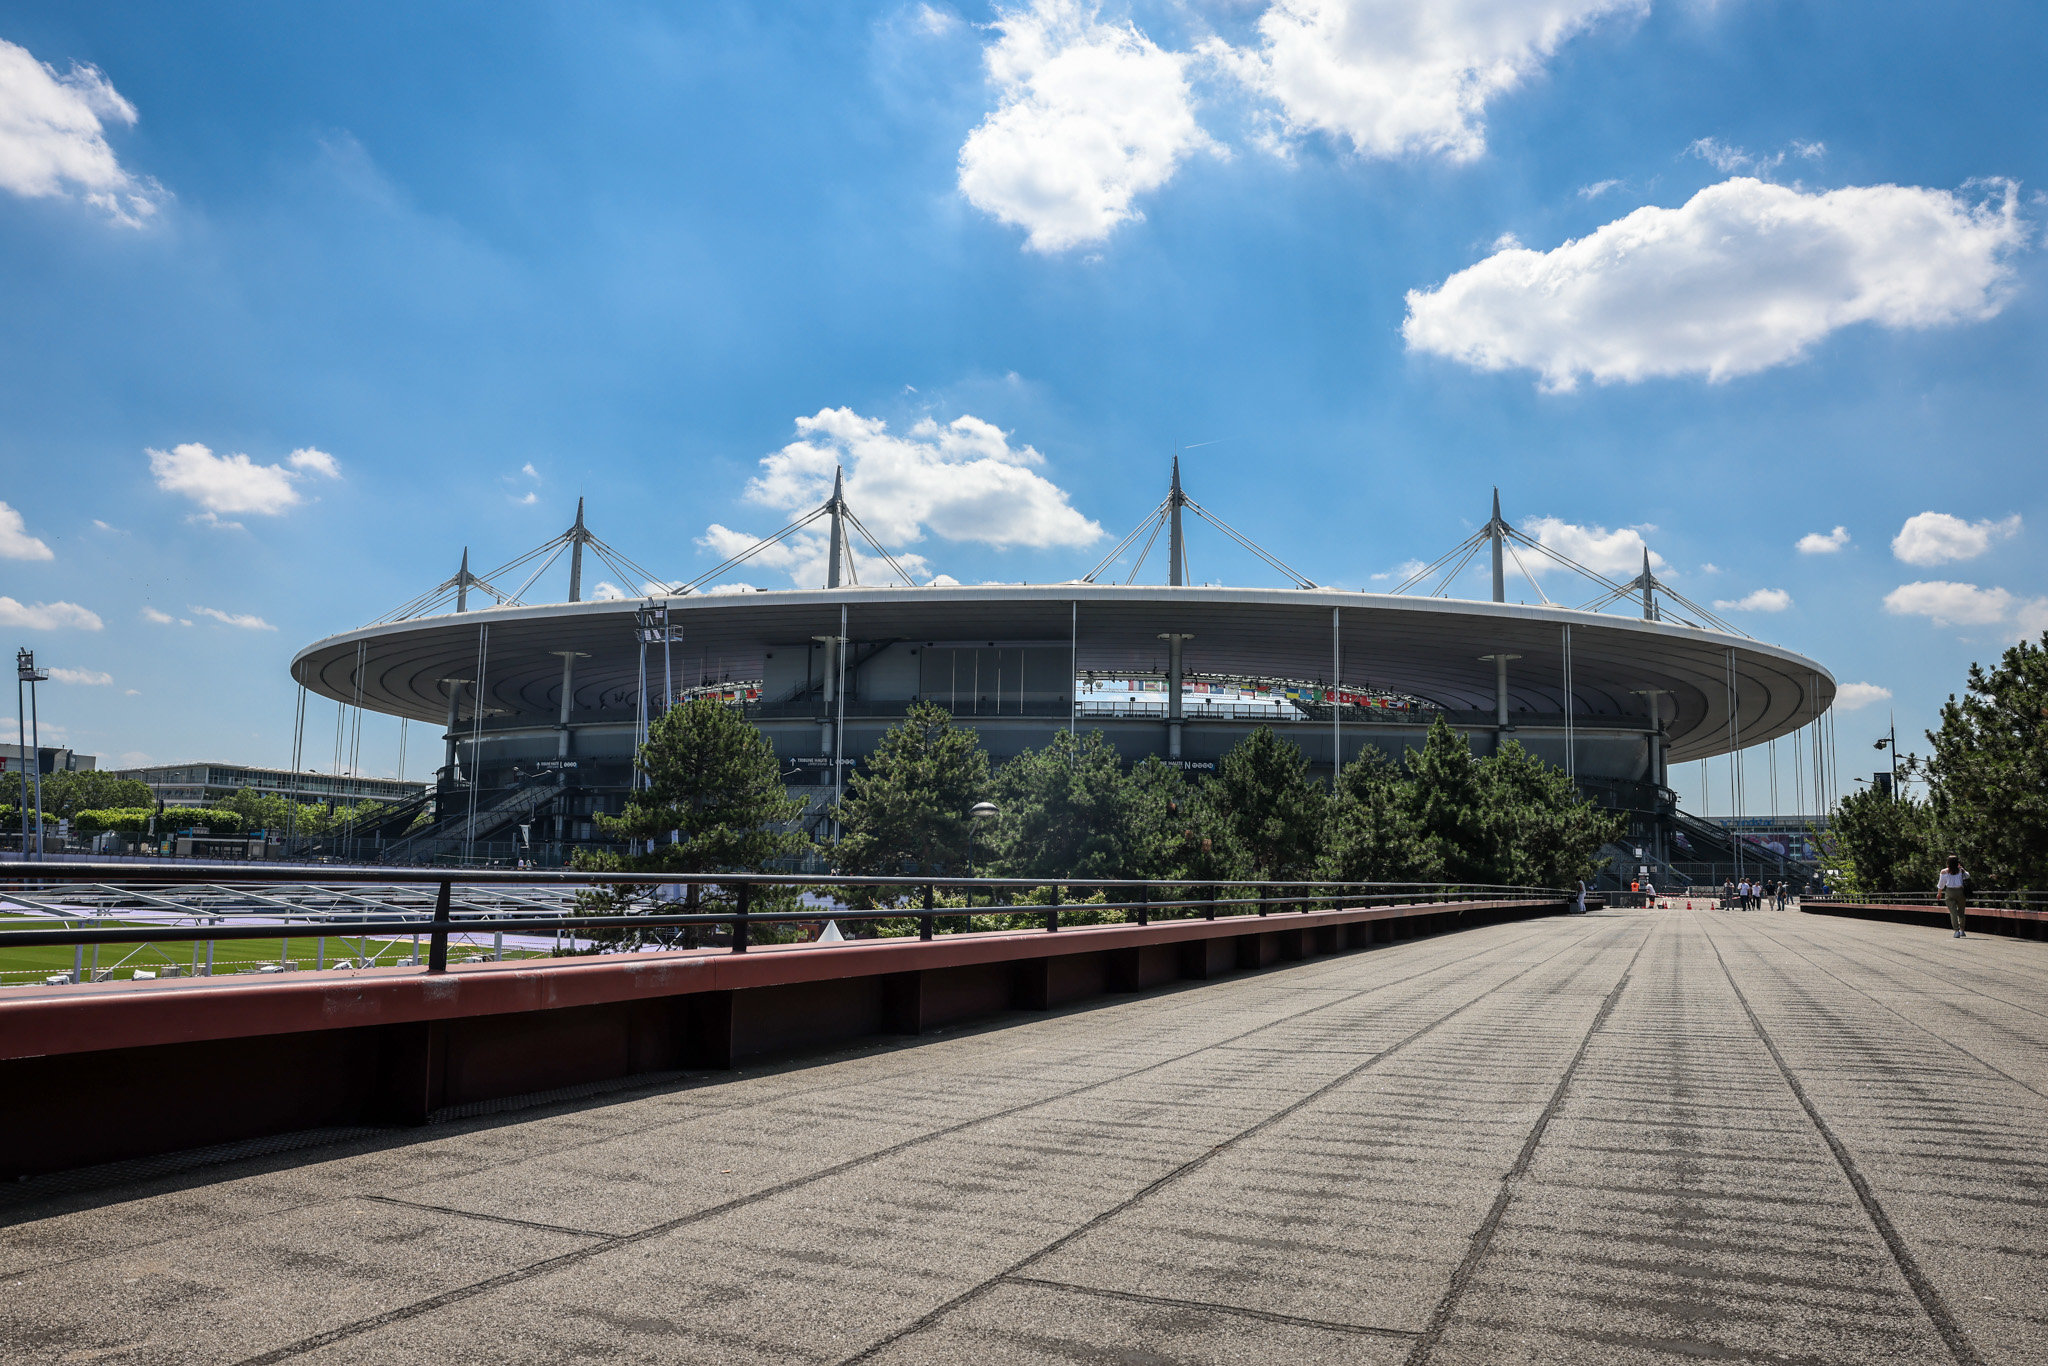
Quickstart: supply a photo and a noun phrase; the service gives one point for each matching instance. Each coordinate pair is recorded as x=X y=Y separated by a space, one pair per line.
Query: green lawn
x=32 y=965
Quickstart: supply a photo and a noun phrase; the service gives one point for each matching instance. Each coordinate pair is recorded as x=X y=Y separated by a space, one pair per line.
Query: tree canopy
x=714 y=801
x=1989 y=771
x=907 y=805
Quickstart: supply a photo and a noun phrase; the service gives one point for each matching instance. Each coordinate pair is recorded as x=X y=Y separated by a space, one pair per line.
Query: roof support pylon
x=834 y=576
x=1496 y=531
x=1176 y=547
x=578 y=537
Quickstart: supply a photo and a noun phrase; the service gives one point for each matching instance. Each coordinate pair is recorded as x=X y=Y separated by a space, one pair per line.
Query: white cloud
x=529 y=471
x=91 y=678
x=1937 y=538
x=1762 y=600
x=1597 y=188
x=1090 y=116
x=235 y=483
x=1710 y=568
x=160 y=618
x=1617 y=554
x=1394 y=78
x=606 y=591
x=1856 y=696
x=310 y=461
x=935 y=21
x=1814 y=543
x=1400 y=573
x=1728 y=159
x=53 y=138
x=1743 y=276
x=1951 y=604
x=240 y=620
x=961 y=481
x=15 y=542
x=48 y=616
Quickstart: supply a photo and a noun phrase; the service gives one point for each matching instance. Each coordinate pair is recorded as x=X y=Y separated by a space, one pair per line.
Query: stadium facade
x=541 y=706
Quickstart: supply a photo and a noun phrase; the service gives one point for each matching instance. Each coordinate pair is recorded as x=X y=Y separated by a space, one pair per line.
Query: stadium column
x=569 y=658
x=1174 y=640
x=1336 y=699
x=454 y=718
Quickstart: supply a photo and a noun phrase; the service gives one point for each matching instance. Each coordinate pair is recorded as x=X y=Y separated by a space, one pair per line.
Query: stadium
x=541 y=706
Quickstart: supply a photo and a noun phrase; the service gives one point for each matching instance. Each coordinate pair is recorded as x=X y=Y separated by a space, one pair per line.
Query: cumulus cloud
x=1965 y=604
x=1744 y=276
x=240 y=620
x=90 y=678
x=962 y=481
x=1762 y=600
x=1617 y=554
x=1937 y=538
x=1814 y=543
x=1393 y=78
x=48 y=616
x=53 y=140
x=1855 y=696
x=230 y=484
x=1090 y=115
x=15 y=542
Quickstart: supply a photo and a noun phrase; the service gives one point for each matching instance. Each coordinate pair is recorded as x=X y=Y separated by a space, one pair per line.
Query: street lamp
x=977 y=813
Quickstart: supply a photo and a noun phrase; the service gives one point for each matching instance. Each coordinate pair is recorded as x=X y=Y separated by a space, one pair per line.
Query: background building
x=208 y=784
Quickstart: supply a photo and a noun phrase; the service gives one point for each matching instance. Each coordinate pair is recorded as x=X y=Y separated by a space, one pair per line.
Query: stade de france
x=541 y=705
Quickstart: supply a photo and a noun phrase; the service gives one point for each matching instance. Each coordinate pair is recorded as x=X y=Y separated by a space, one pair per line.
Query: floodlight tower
x=29 y=745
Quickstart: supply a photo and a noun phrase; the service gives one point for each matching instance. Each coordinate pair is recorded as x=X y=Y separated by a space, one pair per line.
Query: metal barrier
x=285 y=904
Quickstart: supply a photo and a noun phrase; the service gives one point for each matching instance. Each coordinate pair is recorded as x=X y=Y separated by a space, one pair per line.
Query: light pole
x=30 y=745
x=976 y=814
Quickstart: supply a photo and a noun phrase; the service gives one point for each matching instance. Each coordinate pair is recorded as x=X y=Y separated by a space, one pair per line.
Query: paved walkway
x=1625 y=1137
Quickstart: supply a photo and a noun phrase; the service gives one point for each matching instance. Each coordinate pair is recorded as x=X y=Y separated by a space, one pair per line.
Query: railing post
x=1144 y=909
x=437 y=943
x=924 y=922
x=1052 y=913
x=1263 y=907
x=1209 y=909
x=739 y=924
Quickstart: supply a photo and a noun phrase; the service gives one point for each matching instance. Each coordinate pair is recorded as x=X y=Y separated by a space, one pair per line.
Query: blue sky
x=1713 y=277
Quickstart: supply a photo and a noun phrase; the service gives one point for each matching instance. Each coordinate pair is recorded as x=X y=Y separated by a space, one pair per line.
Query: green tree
x=1882 y=843
x=1371 y=836
x=908 y=803
x=67 y=794
x=1989 y=771
x=1444 y=802
x=1065 y=811
x=1535 y=830
x=714 y=800
x=1161 y=822
x=1268 y=809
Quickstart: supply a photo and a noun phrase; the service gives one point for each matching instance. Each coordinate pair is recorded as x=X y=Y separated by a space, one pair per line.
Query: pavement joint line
x=1192 y=1165
x=490 y=1218
x=1482 y=1239
x=1234 y=1310
x=1926 y=967
x=457 y=1294
x=2014 y=951
x=1952 y=1335
x=1932 y=1034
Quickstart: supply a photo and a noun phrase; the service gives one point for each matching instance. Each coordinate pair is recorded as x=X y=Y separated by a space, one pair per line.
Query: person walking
x=1727 y=893
x=1952 y=885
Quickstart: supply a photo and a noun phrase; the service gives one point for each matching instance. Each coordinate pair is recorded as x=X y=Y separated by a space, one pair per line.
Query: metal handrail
x=1251 y=898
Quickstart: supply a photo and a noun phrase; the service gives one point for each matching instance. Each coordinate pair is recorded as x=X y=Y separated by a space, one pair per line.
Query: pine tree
x=908 y=804
x=1269 y=811
x=1990 y=771
x=714 y=801
x=1371 y=832
x=1065 y=811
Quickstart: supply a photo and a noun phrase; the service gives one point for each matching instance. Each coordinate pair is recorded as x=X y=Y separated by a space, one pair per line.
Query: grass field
x=119 y=961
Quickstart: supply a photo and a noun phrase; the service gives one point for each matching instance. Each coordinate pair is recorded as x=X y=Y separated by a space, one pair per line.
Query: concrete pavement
x=1625 y=1137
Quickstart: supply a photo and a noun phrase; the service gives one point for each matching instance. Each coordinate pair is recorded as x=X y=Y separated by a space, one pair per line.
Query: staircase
x=446 y=836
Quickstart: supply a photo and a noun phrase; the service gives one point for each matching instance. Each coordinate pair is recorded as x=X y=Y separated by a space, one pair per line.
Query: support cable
x=1152 y=519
